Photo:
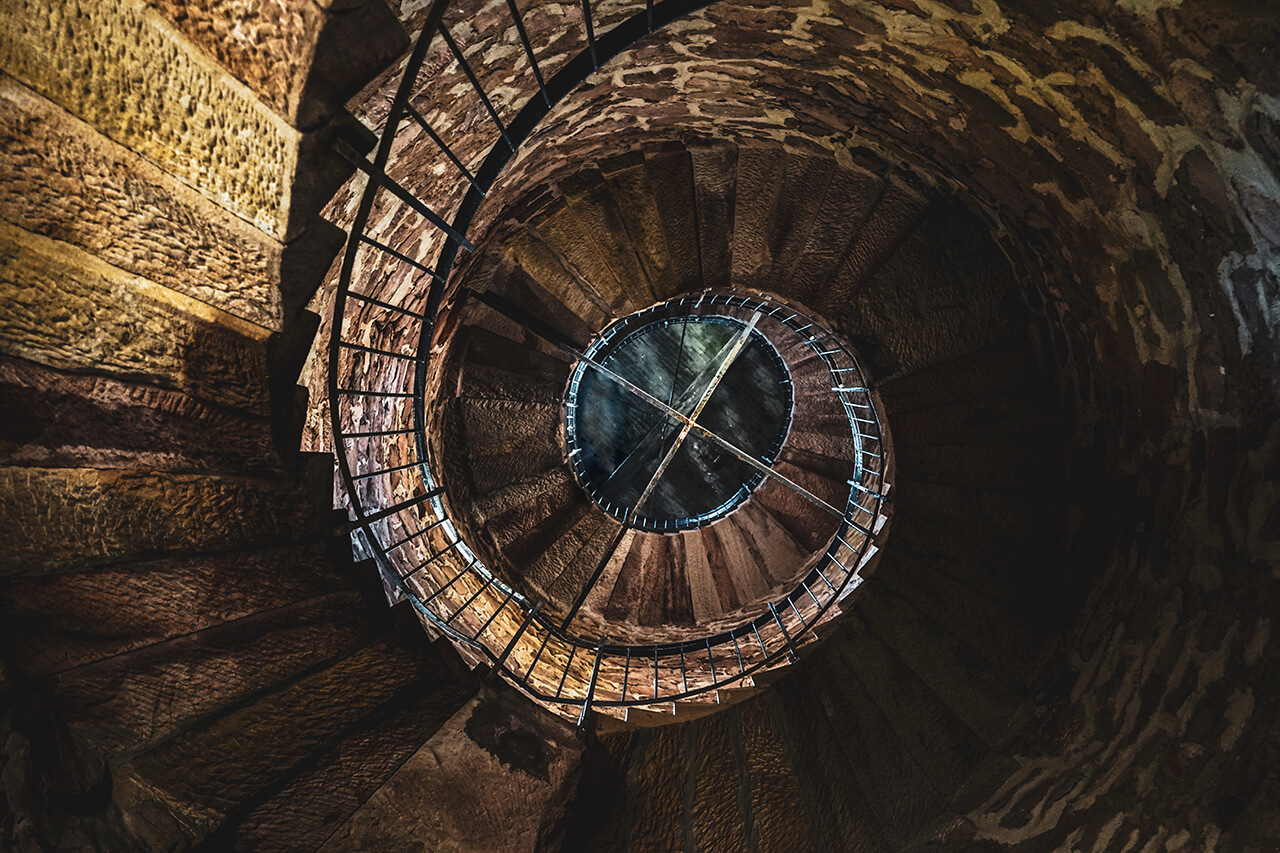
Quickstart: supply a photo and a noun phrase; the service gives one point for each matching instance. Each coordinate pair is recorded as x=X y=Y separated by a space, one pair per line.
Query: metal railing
x=386 y=309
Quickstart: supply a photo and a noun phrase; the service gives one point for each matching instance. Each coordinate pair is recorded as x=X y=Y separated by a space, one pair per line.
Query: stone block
x=59 y=419
x=500 y=775
x=124 y=69
x=65 y=309
x=52 y=519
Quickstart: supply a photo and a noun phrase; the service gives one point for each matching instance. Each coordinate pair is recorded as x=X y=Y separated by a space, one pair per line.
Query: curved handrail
x=867 y=492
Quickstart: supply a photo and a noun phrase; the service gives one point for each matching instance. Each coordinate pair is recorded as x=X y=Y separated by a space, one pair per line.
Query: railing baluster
x=367 y=392
x=655 y=673
x=711 y=661
x=360 y=297
x=515 y=638
x=467 y=603
x=382 y=471
x=343 y=529
x=591 y=685
x=475 y=84
x=791 y=647
x=382 y=179
x=573 y=651
x=591 y=34
x=503 y=606
x=459 y=576
x=528 y=50
x=440 y=143
x=376 y=351
x=377 y=432
x=400 y=256
x=737 y=651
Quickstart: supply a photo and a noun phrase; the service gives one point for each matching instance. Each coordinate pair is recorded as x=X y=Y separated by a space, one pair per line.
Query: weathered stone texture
x=69 y=518
x=65 y=181
x=66 y=309
x=497 y=776
x=57 y=625
x=58 y=419
x=129 y=703
x=300 y=57
x=123 y=69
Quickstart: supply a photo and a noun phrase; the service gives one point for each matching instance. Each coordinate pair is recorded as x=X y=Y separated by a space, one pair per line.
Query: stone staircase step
x=205 y=776
x=304 y=811
x=628 y=180
x=570 y=240
x=996 y=633
x=661 y=794
x=670 y=171
x=975 y=691
x=133 y=425
x=848 y=199
x=46 y=512
x=1008 y=366
x=592 y=202
x=70 y=619
x=777 y=815
x=507 y=442
x=946 y=749
x=555 y=274
x=897 y=790
x=831 y=787
x=715 y=170
x=720 y=786
x=897 y=212
x=135 y=700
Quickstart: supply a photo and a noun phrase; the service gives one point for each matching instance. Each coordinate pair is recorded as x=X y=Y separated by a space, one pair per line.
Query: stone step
x=507 y=442
x=945 y=291
x=71 y=619
x=984 y=698
x=897 y=789
x=564 y=314
x=996 y=633
x=547 y=544
x=227 y=145
x=715 y=171
x=47 y=514
x=328 y=788
x=941 y=744
x=500 y=774
x=570 y=241
x=660 y=792
x=849 y=198
x=497 y=368
x=777 y=815
x=568 y=562
x=779 y=195
x=998 y=420
x=586 y=558
x=60 y=419
x=605 y=222
x=628 y=179
x=194 y=783
x=1008 y=366
x=898 y=210
x=553 y=273
x=832 y=783
x=68 y=310
x=670 y=172
x=127 y=212
x=126 y=704
x=717 y=815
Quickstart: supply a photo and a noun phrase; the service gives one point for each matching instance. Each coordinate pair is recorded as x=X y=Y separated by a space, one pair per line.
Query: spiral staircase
x=1038 y=622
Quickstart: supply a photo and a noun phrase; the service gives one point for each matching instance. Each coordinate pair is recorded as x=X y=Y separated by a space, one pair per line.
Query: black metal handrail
x=417 y=505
